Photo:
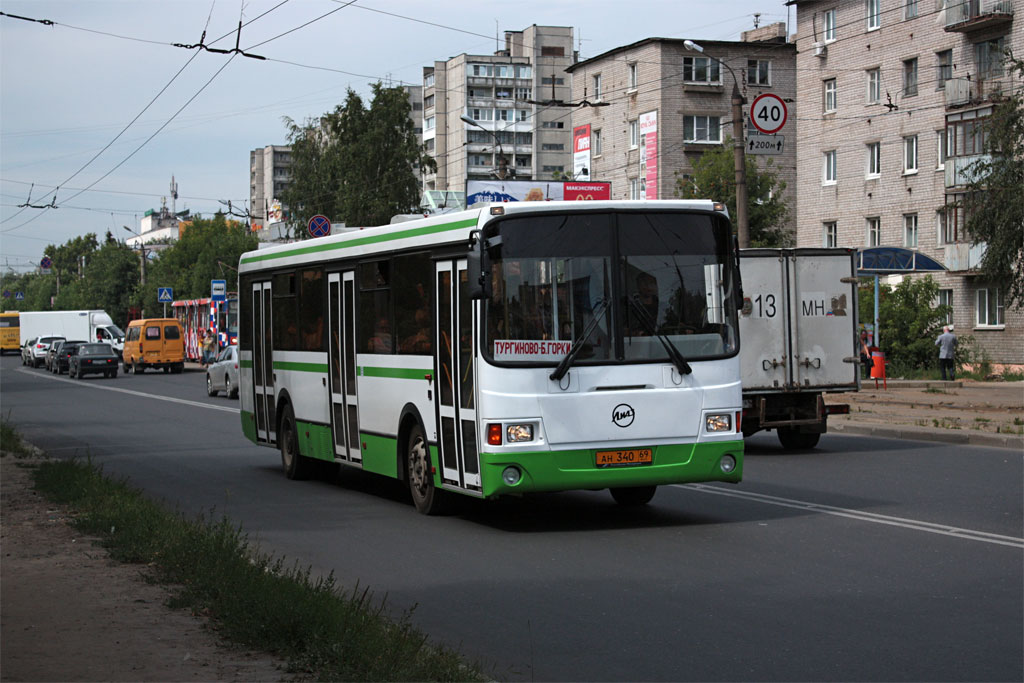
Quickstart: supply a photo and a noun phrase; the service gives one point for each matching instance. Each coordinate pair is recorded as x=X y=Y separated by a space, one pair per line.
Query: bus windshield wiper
x=577 y=344
x=645 y=319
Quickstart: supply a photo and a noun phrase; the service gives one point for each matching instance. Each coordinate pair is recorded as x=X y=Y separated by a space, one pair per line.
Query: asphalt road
x=866 y=559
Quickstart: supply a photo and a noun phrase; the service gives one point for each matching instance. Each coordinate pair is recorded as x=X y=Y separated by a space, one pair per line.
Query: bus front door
x=344 y=404
x=454 y=402
x=263 y=363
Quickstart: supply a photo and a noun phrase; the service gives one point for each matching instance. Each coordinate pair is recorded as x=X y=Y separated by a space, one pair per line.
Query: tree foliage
x=355 y=164
x=714 y=177
x=908 y=321
x=994 y=202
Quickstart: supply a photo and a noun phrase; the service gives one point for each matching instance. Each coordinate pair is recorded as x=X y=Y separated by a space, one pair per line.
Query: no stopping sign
x=768 y=113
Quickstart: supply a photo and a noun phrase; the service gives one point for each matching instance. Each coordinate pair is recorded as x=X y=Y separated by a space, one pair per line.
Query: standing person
x=209 y=347
x=947 y=348
x=865 y=354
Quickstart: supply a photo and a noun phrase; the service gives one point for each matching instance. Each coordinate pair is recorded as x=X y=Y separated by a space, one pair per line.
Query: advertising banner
x=649 y=153
x=585 y=191
x=480 y=191
x=581 y=152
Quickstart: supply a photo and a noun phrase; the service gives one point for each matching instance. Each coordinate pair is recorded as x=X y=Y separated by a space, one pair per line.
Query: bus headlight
x=727 y=463
x=520 y=432
x=511 y=476
x=719 y=422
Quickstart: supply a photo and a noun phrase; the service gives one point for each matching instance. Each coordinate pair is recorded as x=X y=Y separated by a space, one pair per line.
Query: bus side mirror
x=479 y=280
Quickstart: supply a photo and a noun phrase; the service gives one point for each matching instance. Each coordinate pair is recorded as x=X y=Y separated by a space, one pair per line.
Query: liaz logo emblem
x=623 y=414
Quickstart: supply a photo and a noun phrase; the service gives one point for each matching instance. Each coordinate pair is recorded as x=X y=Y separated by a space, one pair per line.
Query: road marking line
x=914 y=524
x=171 y=399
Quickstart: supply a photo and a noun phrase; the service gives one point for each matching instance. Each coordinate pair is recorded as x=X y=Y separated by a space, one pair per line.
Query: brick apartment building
x=890 y=93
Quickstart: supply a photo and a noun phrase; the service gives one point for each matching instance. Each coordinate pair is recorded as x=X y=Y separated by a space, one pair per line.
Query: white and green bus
x=511 y=348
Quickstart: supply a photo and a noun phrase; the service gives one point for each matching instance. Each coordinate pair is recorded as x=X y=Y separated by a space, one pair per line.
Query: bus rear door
x=344 y=404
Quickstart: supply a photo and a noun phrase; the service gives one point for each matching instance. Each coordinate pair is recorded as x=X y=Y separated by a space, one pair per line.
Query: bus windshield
x=651 y=279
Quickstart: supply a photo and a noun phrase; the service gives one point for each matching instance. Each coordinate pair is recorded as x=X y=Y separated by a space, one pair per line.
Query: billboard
x=649 y=153
x=581 y=152
x=479 y=191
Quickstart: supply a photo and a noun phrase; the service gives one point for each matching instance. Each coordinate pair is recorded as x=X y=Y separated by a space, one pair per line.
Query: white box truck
x=94 y=325
x=798 y=340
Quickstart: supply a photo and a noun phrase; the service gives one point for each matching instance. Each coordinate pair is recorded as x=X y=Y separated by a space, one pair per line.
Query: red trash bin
x=878 y=367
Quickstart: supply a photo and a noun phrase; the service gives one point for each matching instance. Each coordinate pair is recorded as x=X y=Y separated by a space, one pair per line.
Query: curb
x=953 y=436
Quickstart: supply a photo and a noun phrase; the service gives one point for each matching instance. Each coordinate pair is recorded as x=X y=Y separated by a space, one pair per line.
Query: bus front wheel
x=295 y=466
x=634 y=495
x=425 y=496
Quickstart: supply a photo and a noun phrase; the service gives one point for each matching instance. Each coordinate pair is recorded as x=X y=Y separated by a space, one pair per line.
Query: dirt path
x=69 y=613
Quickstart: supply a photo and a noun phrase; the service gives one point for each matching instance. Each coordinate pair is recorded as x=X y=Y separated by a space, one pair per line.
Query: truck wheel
x=634 y=496
x=295 y=465
x=792 y=438
x=425 y=496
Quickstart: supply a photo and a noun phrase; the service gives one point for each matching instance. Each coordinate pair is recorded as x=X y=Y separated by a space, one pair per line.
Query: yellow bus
x=10 y=332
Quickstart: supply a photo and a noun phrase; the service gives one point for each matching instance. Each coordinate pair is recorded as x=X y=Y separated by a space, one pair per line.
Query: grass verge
x=254 y=600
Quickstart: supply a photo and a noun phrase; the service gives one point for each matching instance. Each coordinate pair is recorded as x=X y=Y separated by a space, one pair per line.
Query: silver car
x=222 y=374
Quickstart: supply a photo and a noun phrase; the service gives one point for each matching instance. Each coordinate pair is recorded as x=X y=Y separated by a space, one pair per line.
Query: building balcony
x=961 y=92
x=965 y=16
x=958 y=170
x=962 y=256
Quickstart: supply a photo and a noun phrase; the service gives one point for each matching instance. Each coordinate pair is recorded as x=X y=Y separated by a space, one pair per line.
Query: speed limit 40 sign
x=768 y=113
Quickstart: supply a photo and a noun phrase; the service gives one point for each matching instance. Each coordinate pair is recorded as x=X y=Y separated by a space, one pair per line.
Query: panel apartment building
x=498 y=92
x=891 y=93
x=270 y=171
x=683 y=98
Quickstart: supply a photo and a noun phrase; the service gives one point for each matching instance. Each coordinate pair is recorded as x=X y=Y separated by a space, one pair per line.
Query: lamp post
x=739 y=153
x=142 y=279
x=502 y=170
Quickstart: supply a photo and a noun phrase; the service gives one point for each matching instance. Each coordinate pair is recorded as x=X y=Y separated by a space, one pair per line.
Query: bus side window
x=374 y=334
x=411 y=286
x=311 y=309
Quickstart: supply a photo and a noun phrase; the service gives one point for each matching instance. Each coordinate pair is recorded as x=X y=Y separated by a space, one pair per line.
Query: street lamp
x=739 y=153
x=502 y=170
x=142 y=249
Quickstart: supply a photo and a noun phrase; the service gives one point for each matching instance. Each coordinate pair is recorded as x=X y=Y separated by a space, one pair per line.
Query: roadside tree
x=908 y=320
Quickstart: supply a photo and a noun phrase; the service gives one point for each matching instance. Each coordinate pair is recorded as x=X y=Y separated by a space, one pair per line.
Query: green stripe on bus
x=300 y=367
x=245 y=363
x=393 y=373
x=361 y=241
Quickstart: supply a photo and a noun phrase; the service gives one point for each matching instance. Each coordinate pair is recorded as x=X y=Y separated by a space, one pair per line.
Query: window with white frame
x=479 y=160
x=910 y=77
x=910 y=230
x=428 y=123
x=874 y=94
x=700 y=129
x=428 y=81
x=829 y=235
x=759 y=72
x=873 y=227
x=701 y=70
x=941 y=229
x=989 y=307
x=873 y=9
x=595 y=142
x=874 y=160
x=829 y=95
x=945 y=300
x=597 y=88
x=522 y=114
x=940 y=150
x=524 y=71
x=524 y=93
x=632 y=75
x=634 y=188
x=481 y=114
x=910 y=154
x=910 y=9
x=830 y=25
x=634 y=134
x=828 y=171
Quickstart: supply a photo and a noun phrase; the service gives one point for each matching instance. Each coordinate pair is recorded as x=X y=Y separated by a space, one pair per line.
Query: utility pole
x=142 y=275
x=739 y=152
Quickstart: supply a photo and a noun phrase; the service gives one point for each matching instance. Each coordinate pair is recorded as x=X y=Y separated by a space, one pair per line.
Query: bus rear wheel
x=634 y=496
x=295 y=466
x=425 y=496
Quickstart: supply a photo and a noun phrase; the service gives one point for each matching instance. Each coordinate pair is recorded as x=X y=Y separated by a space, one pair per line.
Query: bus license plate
x=628 y=456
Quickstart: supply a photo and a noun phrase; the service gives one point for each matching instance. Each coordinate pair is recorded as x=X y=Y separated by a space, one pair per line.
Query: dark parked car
x=51 y=352
x=61 y=360
x=94 y=359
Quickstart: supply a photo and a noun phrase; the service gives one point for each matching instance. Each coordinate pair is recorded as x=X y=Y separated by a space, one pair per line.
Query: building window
x=524 y=71
x=595 y=142
x=552 y=147
x=634 y=134
x=830 y=99
x=966 y=134
x=702 y=129
x=830 y=25
x=632 y=75
x=874 y=161
x=989 y=57
x=910 y=230
x=428 y=81
x=503 y=94
x=481 y=114
x=944 y=68
x=910 y=154
x=940 y=150
x=874 y=232
x=874 y=13
x=945 y=300
x=552 y=124
x=428 y=101
x=552 y=51
x=479 y=160
x=597 y=88
x=553 y=169
x=759 y=72
x=829 y=235
x=634 y=188
x=910 y=9
x=874 y=95
x=990 y=307
x=910 y=77
x=828 y=174
x=524 y=93
x=701 y=70
x=428 y=123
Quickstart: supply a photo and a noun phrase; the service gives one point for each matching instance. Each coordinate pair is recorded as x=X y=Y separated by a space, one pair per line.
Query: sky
x=99 y=109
